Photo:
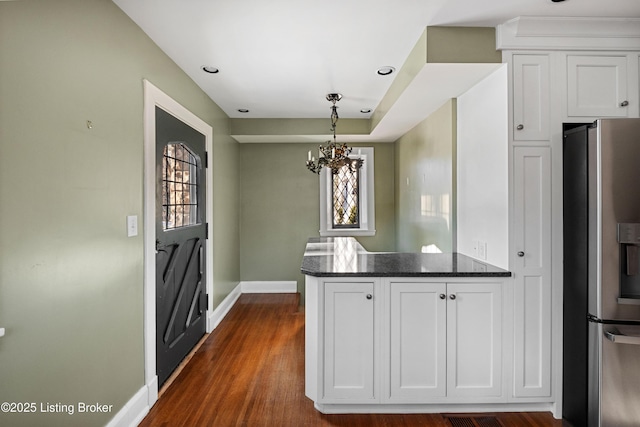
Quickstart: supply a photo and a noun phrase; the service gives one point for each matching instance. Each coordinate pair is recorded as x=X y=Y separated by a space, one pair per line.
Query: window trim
x=366 y=194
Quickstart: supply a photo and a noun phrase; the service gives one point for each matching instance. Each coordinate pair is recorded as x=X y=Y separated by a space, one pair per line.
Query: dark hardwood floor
x=250 y=372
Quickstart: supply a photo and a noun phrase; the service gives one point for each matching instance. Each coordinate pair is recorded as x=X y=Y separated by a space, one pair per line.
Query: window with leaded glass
x=347 y=199
x=179 y=187
x=345 y=195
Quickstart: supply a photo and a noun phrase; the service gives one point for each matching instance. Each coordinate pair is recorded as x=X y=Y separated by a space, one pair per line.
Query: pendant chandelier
x=333 y=155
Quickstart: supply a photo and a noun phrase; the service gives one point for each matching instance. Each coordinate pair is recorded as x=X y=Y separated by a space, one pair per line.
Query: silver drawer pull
x=369 y=296
x=520 y=127
x=624 y=103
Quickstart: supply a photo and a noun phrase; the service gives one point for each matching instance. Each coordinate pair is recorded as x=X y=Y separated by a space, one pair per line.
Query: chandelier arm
x=333 y=155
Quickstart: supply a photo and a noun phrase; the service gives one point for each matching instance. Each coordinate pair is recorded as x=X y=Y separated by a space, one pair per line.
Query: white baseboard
x=152 y=391
x=260 y=287
x=216 y=316
x=434 y=408
x=133 y=412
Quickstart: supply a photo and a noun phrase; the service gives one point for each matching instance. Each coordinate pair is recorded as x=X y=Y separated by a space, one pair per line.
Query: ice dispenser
x=629 y=240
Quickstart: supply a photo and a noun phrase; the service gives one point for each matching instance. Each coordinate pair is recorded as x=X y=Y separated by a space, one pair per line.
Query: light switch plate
x=132 y=225
x=482 y=250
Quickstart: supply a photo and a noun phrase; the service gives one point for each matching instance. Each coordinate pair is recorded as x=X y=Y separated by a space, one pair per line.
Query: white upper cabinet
x=597 y=86
x=530 y=97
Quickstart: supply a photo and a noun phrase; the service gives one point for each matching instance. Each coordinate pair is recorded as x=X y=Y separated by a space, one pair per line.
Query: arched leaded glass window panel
x=179 y=187
x=346 y=198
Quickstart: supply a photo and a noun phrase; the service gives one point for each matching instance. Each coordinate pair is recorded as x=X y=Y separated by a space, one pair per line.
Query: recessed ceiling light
x=242 y=110
x=210 y=70
x=385 y=71
x=365 y=110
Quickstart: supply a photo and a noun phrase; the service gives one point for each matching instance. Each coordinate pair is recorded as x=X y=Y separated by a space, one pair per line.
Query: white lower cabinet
x=349 y=342
x=474 y=340
x=445 y=341
x=402 y=341
x=417 y=341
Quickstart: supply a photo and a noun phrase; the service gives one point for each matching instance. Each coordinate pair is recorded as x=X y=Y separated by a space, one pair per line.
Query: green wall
x=425 y=184
x=71 y=282
x=280 y=209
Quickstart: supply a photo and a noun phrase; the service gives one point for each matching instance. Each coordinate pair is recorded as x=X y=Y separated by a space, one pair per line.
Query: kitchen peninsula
x=404 y=332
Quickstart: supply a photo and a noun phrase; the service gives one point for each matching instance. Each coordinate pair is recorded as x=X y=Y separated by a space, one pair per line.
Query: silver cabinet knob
x=520 y=127
x=369 y=296
x=442 y=296
x=452 y=296
x=521 y=254
x=624 y=103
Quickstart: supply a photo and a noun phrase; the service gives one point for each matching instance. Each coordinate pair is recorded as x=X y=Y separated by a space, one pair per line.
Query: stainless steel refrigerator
x=601 y=316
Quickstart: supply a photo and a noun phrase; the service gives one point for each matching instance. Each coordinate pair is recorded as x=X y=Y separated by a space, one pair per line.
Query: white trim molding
x=437 y=408
x=223 y=308
x=556 y=33
x=134 y=411
x=154 y=97
x=257 y=287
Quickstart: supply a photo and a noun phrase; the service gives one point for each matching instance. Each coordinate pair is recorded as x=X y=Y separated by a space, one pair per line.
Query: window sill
x=347 y=233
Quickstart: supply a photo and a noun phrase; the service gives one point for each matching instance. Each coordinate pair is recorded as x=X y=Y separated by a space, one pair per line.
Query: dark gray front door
x=180 y=241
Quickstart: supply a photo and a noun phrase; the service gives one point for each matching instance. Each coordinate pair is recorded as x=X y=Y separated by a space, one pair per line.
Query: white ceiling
x=280 y=58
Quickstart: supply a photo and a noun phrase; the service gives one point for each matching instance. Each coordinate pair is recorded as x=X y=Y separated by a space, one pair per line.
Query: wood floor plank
x=250 y=372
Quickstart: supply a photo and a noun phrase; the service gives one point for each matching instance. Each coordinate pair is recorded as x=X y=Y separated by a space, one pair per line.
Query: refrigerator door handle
x=615 y=336
x=594 y=319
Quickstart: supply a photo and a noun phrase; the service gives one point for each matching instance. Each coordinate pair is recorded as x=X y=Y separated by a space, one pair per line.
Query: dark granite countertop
x=345 y=257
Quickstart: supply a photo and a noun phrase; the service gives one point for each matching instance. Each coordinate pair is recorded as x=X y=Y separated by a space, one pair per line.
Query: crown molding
x=555 y=33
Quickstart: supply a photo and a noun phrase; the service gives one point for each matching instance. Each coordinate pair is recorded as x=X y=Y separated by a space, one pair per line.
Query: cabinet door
x=474 y=340
x=349 y=352
x=597 y=86
x=532 y=271
x=418 y=341
x=530 y=97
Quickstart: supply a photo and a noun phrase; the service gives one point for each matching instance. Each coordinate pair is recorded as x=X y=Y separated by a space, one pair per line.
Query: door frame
x=154 y=97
